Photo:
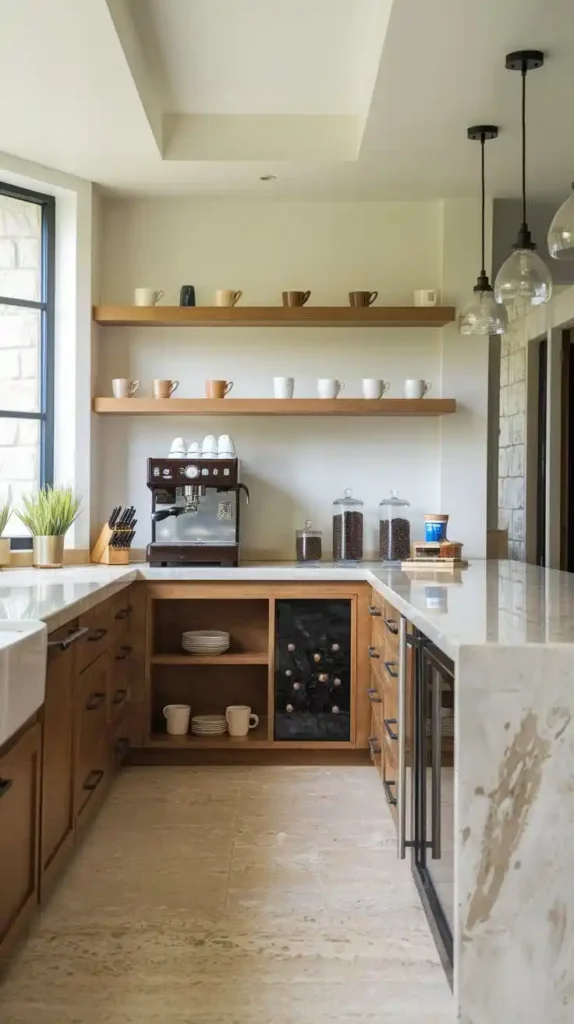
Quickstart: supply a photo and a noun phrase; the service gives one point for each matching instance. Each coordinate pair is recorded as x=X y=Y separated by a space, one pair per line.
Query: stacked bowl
x=205 y=641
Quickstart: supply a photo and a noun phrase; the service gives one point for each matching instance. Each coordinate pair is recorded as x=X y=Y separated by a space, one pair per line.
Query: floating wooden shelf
x=249 y=658
x=273 y=316
x=256 y=739
x=274 y=406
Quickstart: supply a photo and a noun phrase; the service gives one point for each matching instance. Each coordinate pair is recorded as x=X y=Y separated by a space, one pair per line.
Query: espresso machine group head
x=194 y=511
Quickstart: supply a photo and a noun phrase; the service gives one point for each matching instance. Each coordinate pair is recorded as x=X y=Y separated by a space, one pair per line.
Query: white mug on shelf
x=147 y=296
x=124 y=388
x=177 y=718
x=240 y=719
x=283 y=387
x=425 y=297
x=373 y=388
x=329 y=388
x=416 y=388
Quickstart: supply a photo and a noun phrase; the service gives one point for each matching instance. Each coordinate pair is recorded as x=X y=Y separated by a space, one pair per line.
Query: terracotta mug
x=226 y=297
x=218 y=388
x=362 y=298
x=164 y=388
x=295 y=298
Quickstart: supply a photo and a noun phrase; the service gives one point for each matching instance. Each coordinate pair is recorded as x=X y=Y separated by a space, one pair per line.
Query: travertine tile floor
x=233 y=896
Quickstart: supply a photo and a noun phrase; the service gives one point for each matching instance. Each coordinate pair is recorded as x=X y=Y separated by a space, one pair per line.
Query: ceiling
x=368 y=99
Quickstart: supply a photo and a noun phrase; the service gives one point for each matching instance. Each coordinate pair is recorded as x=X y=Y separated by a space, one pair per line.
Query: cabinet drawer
x=91 y=731
x=390 y=744
x=100 y=623
x=119 y=681
x=121 y=612
x=375 y=742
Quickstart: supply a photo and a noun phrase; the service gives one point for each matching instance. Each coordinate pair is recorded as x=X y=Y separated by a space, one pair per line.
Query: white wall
x=294 y=468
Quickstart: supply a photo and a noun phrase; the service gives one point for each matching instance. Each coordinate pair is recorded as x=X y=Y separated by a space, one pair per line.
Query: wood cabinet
x=19 y=832
x=93 y=762
x=57 y=833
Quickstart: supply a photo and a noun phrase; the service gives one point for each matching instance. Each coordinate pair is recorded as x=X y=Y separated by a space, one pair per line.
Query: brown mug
x=164 y=388
x=362 y=298
x=218 y=388
x=295 y=298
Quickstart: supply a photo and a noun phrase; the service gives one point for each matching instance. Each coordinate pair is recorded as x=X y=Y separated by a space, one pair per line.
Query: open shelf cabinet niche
x=253 y=669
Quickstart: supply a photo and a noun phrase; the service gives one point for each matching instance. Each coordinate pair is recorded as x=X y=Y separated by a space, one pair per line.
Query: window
x=27 y=236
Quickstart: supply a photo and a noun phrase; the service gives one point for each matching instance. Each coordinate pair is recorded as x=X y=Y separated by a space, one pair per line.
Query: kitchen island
x=509 y=630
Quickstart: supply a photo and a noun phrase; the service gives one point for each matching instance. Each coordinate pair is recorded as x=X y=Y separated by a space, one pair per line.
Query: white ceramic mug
x=373 y=388
x=147 y=296
x=240 y=719
x=328 y=388
x=124 y=388
x=227 y=297
x=283 y=387
x=425 y=297
x=416 y=388
x=177 y=718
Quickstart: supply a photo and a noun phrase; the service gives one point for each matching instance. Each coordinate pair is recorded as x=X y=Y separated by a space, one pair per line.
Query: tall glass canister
x=394 y=529
x=347 y=528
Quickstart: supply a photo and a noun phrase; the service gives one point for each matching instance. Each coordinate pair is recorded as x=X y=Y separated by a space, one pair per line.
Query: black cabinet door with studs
x=313 y=670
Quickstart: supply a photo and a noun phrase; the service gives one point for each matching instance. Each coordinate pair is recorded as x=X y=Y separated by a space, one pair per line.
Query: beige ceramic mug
x=240 y=719
x=147 y=296
x=164 y=388
x=177 y=718
x=124 y=388
x=227 y=297
x=218 y=388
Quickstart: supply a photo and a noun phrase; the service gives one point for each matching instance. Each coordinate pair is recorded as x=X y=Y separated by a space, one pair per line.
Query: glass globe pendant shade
x=483 y=315
x=561 y=231
x=523 y=280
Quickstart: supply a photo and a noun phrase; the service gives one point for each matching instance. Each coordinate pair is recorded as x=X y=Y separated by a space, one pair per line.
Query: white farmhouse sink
x=22 y=673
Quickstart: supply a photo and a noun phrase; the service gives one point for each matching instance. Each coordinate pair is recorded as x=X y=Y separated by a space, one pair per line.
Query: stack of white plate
x=205 y=641
x=208 y=725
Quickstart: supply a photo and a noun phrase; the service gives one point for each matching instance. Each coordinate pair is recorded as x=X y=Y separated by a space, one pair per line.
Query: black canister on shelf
x=347 y=528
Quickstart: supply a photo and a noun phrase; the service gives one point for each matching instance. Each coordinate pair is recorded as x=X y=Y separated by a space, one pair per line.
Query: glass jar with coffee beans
x=309 y=544
x=347 y=528
x=394 y=529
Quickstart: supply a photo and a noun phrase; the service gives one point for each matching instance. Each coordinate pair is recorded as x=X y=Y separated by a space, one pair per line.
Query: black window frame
x=46 y=307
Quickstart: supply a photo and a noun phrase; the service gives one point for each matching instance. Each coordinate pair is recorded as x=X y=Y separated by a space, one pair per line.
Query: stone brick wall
x=20 y=224
x=512 y=439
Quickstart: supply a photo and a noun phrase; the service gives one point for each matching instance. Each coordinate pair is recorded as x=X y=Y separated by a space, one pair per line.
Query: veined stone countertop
x=501 y=603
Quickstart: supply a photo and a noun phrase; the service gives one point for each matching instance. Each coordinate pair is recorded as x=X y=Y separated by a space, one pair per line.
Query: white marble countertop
x=496 y=603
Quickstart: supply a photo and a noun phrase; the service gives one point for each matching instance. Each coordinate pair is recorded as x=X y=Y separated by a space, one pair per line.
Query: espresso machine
x=194 y=511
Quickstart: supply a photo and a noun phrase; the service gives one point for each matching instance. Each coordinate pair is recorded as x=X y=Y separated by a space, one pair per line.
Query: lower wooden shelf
x=256 y=739
x=241 y=658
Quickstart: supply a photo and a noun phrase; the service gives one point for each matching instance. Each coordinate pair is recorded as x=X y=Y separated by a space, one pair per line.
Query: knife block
x=103 y=554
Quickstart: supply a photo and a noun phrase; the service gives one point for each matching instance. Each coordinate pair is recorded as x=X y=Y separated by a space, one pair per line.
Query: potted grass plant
x=5 y=512
x=48 y=514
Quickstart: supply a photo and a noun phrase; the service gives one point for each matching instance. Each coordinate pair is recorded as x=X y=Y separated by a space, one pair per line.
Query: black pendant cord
x=482 y=133
x=524 y=225
x=482 y=268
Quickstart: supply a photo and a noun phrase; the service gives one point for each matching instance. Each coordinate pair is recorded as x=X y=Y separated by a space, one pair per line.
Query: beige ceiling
x=339 y=99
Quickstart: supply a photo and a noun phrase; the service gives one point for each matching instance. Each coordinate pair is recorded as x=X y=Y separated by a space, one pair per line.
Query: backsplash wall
x=294 y=468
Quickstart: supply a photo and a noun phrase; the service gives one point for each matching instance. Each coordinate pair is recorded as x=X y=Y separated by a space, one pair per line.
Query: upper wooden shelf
x=275 y=406
x=273 y=316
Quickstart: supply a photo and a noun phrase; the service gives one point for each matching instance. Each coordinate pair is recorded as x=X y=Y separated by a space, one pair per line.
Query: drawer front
x=390 y=745
x=119 y=681
x=100 y=623
x=376 y=743
x=91 y=756
x=121 y=615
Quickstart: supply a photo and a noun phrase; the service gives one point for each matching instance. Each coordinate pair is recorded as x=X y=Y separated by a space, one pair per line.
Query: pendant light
x=483 y=314
x=523 y=279
x=561 y=231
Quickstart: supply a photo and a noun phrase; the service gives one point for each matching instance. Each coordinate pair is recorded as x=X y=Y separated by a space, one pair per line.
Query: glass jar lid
x=394 y=501
x=308 y=530
x=347 y=499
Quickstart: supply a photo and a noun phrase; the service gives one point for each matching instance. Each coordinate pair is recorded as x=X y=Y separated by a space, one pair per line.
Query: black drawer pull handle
x=388 y=722
x=63 y=645
x=5 y=785
x=94 y=778
x=374 y=696
x=94 y=701
x=98 y=634
x=387 y=783
x=374 y=611
x=123 y=613
x=389 y=665
x=374 y=746
x=373 y=653
x=120 y=696
x=392 y=626
x=126 y=651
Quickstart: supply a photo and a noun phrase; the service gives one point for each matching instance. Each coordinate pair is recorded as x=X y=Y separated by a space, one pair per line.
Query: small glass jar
x=394 y=529
x=309 y=544
x=347 y=528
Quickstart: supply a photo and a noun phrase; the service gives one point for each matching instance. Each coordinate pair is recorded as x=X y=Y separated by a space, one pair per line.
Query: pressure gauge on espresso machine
x=191 y=472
